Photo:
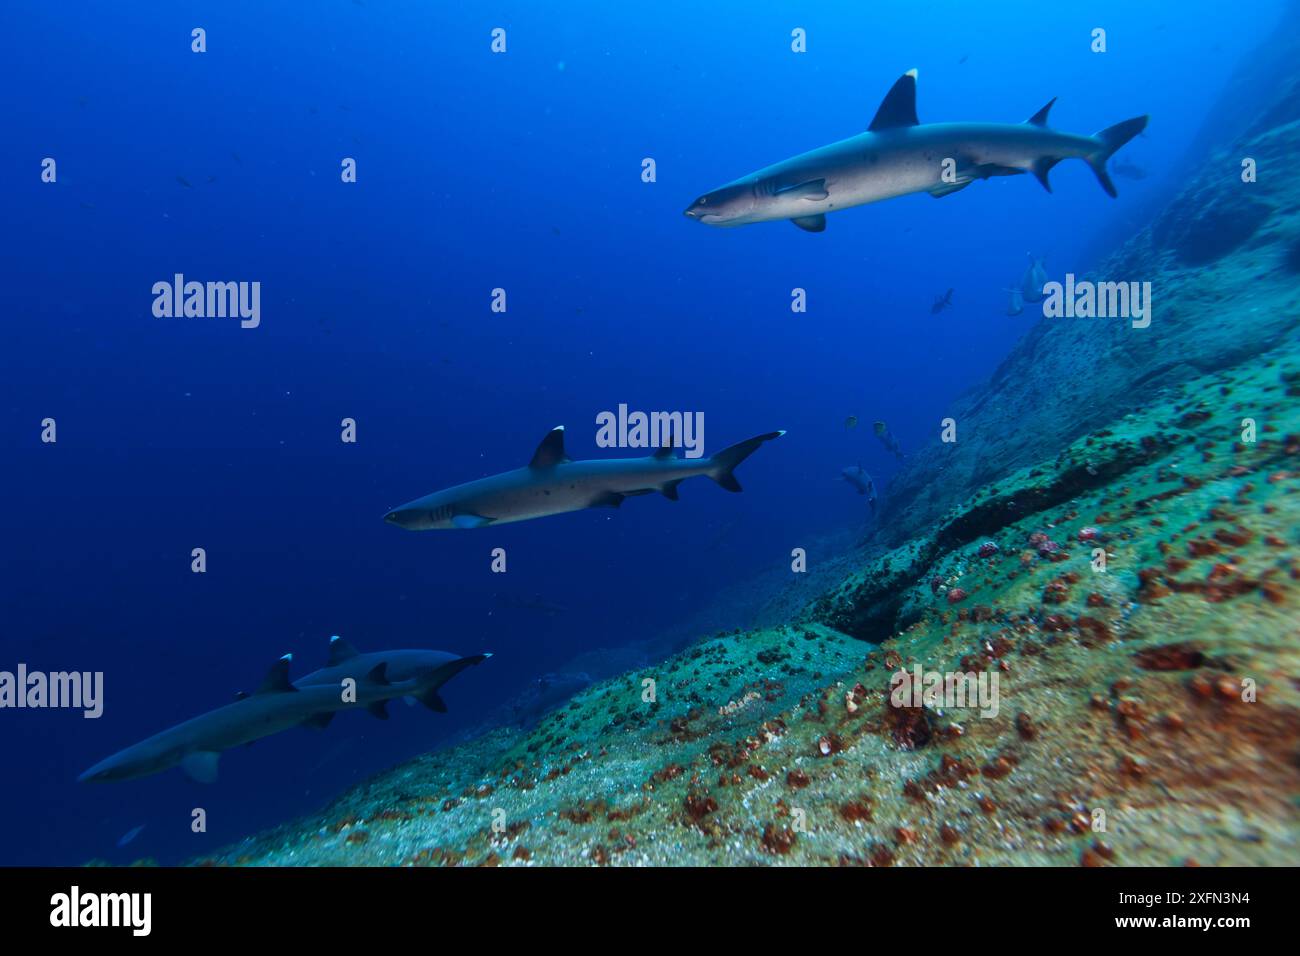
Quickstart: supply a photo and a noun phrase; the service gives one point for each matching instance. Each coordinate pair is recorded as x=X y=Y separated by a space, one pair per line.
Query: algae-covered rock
x=1129 y=603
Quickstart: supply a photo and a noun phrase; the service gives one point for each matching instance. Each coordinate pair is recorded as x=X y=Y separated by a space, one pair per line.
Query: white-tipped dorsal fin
x=899 y=106
x=340 y=651
x=277 y=678
x=551 y=451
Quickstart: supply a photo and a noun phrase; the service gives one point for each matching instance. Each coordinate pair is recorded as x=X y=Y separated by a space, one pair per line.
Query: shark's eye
x=704 y=200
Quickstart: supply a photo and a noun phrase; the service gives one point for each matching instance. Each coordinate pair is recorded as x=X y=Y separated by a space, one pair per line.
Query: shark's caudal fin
x=1111 y=139
x=725 y=462
x=447 y=671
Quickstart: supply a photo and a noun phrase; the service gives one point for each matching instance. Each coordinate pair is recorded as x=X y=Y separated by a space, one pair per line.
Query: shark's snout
x=409 y=519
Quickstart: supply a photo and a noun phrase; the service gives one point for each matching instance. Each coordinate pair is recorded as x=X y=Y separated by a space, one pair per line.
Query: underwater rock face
x=1139 y=619
x=1204 y=317
x=1198 y=234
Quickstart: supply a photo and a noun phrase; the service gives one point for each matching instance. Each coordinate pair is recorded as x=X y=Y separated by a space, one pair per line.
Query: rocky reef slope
x=1134 y=594
x=1223 y=260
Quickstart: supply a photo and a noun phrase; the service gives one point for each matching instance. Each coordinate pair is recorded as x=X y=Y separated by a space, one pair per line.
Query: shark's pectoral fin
x=899 y=106
x=320 y=721
x=813 y=190
x=433 y=701
x=1043 y=166
x=670 y=489
x=378 y=709
x=947 y=189
x=470 y=521
x=811 y=223
x=379 y=674
x=201 y=765
x=610 y=499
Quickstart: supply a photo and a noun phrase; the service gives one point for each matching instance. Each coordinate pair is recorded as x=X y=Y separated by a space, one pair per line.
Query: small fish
x=887 y=439
x=130 y=835
x=941 y=302
x=1128 y=169
x=184 y=182
x=851 y=421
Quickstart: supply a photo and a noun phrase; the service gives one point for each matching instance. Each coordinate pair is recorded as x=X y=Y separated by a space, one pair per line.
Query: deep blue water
x=475 y=171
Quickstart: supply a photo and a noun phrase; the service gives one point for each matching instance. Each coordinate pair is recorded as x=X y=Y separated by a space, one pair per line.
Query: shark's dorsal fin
x=340 y=651
x=277 y=678
x=551 y=451
x=1040 y=118
x=899 y=106
x=241 y=695
x=669 y=449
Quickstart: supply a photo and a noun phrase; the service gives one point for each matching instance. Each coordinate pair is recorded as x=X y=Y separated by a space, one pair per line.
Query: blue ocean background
x=475 y=171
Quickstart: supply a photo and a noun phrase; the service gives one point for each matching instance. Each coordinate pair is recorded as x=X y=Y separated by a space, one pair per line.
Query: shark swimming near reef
x=552 y=483
x=861 y=481
x=546 y=694
x=1032 y=282
x=196 y=744
x=888 y=440
x=429 y=669
x=898 y=155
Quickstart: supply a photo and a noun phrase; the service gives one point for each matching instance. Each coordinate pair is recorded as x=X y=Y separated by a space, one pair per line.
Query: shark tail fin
x=1111 y=139
x=725 y=462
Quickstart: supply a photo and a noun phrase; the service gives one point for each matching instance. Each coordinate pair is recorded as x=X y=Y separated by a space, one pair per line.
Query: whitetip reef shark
x=897 y=156
x=277 y=705
x=552 y=484
x=429 y=669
